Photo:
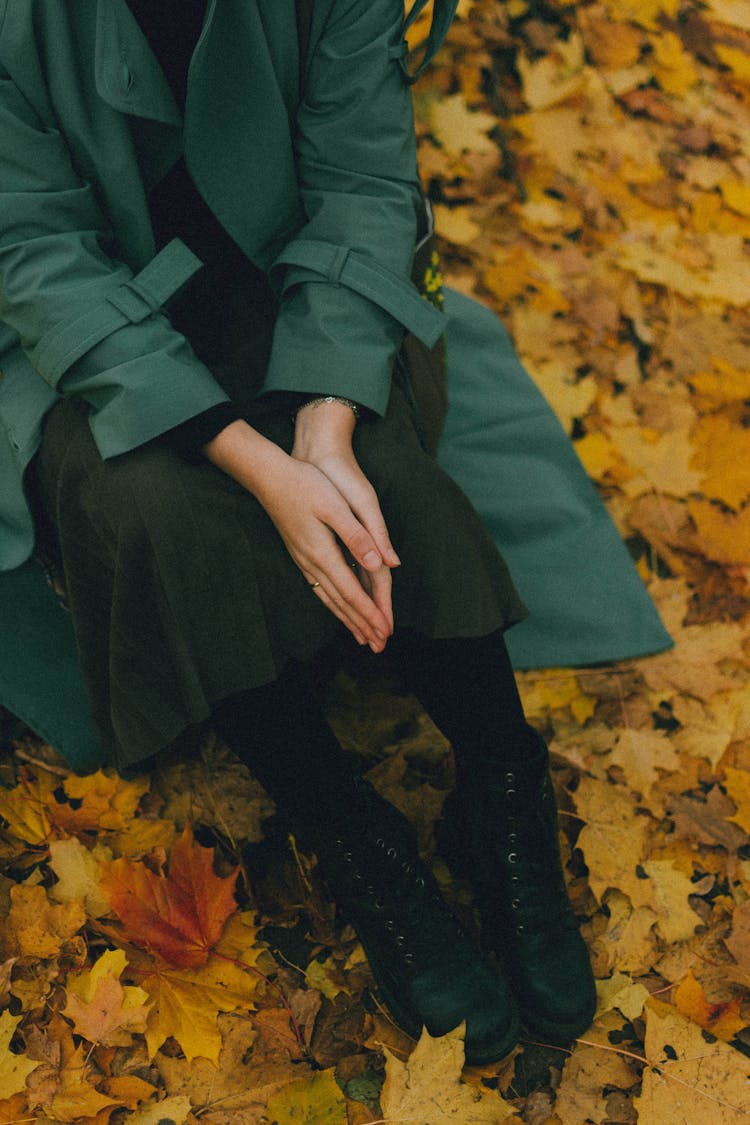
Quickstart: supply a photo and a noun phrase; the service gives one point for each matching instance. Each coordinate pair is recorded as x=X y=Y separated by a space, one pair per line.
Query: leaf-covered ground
x=167 y=955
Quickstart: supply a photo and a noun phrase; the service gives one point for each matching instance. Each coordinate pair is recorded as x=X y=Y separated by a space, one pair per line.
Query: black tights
x=279 y=730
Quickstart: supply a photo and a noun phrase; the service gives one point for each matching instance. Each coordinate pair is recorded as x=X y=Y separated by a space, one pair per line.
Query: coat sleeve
x=88 y=323
x=347 y=295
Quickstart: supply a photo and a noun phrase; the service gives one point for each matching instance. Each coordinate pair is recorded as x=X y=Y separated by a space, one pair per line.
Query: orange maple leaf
x=179 y=915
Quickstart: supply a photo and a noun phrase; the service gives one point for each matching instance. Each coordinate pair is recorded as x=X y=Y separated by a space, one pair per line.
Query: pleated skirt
x=180 y=587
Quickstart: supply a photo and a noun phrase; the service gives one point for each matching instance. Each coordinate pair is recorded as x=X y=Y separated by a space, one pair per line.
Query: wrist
x=323 y=426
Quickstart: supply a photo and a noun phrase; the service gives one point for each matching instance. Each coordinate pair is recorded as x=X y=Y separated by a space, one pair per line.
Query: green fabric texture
x=586 y=601
x=40 y=680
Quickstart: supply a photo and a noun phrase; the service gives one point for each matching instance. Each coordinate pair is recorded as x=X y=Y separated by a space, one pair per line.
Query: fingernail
x=372 y=558
x=394 y=557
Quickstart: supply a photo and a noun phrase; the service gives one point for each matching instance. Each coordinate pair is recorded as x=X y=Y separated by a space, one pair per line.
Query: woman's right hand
x=314 y=521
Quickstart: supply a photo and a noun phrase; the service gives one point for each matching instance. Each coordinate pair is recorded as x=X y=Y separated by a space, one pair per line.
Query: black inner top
x=172 y=28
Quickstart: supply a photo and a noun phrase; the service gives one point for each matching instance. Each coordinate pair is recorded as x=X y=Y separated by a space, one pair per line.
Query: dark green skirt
x=180 y=587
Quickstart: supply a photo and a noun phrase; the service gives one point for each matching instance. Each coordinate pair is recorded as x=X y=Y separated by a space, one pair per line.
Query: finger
x=335 y=606
x=352 y=533
x=317 y=588
x=346 y=592
x=363 y=500
x=379 y=585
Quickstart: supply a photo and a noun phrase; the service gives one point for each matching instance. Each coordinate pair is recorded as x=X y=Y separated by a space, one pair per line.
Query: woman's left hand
x=323 y=437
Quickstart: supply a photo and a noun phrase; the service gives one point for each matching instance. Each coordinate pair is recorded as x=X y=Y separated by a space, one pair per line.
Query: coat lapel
x=128 y=75
x=238 y=132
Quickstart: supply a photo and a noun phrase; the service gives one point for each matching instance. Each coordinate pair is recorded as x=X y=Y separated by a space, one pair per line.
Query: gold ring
x=313 y=585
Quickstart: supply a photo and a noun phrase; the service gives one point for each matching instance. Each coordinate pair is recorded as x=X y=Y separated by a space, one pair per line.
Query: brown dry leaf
x=76 y=1095
x=103 y=1010
x=429 y=1082
x=174 y=1110
x=627 y=943
x=588 y=1070
x=694 y=665
x=690 y=1079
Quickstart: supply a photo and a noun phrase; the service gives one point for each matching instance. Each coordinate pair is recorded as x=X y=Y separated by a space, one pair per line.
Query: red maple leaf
x=180 y=915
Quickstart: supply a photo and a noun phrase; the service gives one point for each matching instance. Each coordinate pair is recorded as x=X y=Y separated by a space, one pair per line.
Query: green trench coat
x=323 y=194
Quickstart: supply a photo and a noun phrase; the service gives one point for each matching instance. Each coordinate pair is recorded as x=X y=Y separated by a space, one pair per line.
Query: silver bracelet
x=353 y=406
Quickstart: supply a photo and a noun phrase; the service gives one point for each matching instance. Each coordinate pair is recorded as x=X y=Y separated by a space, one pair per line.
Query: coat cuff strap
x=342 y=266
x=133 y=301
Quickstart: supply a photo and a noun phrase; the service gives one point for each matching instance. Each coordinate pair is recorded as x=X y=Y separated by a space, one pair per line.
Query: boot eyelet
x=515 y=903
x=515 y=880
x=512 y=837
x=419 y=882
x=510 y=779
x=409 y=958
x=389 y=925
x=392 y=853
x=520 y=928
x=380 y=842
x=379 y=904
x=512 y=857
x=400 y=940
x=358 y=877
x=510 y=794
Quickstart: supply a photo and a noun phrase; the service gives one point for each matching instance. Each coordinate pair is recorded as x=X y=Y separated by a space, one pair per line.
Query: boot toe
x=480 y=997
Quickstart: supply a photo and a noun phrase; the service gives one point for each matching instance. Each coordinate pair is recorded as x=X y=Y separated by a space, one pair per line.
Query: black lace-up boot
x=499 y=831
x=428 y=971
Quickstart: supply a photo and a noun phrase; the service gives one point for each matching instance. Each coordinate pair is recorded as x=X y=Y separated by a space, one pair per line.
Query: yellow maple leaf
x=187 y=1002
x=41 y=929
x=622 y=992
x=459 y=129
x=724 y=536
x=722 y=454
x=722 y=385
x=723 y=1020
x=726 y=279
x=455 y=224
x=689 y=1078
x=25 y=809
x=176 y=1110
x=78 y=871
x=100 y=1008
x=737 y=60
x=14 y=1069
x=671 y=887
x=674 y=68
x=309 y=1101
x=647 y=13
x=556 y=692
x=737 y=785
x=77 y=1097
x=108 y=801
x=432 y=1076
